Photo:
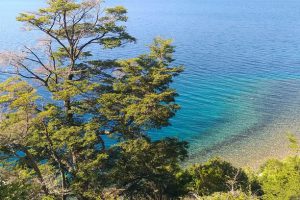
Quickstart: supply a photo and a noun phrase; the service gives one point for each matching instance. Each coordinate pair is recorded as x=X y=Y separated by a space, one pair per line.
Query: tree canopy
x=62 y=100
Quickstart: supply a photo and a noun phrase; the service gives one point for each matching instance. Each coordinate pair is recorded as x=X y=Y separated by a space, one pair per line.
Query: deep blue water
x=241 y=58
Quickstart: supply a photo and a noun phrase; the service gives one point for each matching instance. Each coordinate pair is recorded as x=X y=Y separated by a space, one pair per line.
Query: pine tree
x=64 y=99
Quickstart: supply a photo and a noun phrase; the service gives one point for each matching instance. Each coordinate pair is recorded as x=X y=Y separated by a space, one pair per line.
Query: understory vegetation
x=73 y=124
x=145 y=177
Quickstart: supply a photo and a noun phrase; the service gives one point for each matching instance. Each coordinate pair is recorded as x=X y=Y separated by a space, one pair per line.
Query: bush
x=281 y=179
x=14 y=190
x=147 y=170
x=238 y=195
x=216 y=176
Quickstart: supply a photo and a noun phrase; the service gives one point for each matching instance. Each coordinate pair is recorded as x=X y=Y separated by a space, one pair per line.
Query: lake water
x=240 y=90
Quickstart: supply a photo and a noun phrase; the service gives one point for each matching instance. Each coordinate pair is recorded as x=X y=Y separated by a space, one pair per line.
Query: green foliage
x=15 y=190
x=237 y=195
x=17 y=186
x=254 y=185
x=281 y=179
x=17 y=99
x=147 y=170
x=216 y=176
x=294 y=144
x=141 y=97
x=76 y=20
x=57 y=139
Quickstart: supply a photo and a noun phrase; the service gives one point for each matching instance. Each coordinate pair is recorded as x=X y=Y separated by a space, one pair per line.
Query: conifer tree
x=64 y=98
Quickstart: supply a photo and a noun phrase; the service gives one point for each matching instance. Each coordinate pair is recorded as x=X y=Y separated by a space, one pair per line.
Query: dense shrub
x=147 y=170
x=16 y=190
x=281 y=179
x=216 y=176
x=238 y=195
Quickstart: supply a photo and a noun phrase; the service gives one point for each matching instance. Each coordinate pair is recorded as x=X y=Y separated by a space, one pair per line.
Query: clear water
x=242 y=66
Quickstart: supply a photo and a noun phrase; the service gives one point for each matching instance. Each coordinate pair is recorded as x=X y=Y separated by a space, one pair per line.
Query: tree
x=147 y=170
x=281 y=179
x=18 y=109
x=64 y=101
x=216 y=176
x=141 y=97
x=15 y=186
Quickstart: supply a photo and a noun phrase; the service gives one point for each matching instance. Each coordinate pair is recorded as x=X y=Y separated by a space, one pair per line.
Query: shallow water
x=240 y=89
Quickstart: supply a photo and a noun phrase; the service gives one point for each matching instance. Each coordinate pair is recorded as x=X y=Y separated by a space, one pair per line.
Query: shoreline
x=252 y=151
x=253 y=137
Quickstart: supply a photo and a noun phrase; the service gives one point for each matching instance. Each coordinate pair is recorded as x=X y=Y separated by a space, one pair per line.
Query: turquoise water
x=242 y=64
